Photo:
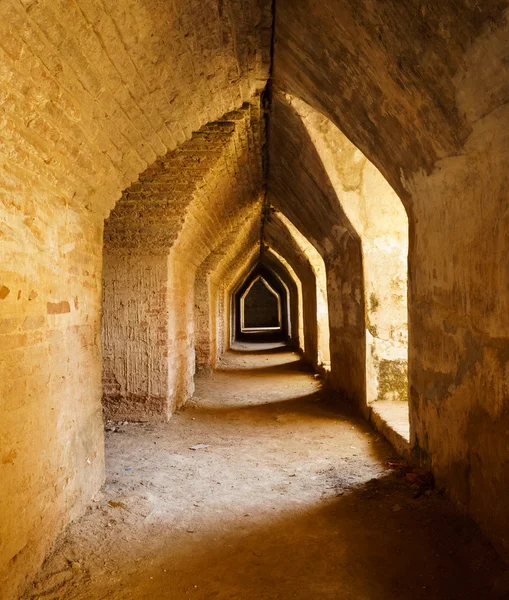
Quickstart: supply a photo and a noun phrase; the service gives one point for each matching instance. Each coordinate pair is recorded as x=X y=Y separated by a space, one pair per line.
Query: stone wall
x=92 y=93
x=209 y=305
x=160 y=232
x=422 y=91
x=301 y=189
x=261 y=307
x=280 y=240
x=291 y=283
x=51 y=434
x=231 y=276
x=380 y=220
x=317 y=265
x=272 y=276
x=296 y=298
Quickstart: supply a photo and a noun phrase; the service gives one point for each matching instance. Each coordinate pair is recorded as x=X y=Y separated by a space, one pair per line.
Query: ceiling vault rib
x=266 y=101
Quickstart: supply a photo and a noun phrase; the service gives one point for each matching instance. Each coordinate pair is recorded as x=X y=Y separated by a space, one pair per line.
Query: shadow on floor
x=370 y=543
x=353 y=547
x=246 y=349
x=288 y=498
x=298 y=365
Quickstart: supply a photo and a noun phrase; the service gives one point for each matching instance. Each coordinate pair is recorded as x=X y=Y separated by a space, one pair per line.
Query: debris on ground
x=198 y=447
x=420 y=480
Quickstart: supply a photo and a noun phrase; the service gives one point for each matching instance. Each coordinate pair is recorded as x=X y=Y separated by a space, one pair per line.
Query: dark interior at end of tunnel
x=259 y=308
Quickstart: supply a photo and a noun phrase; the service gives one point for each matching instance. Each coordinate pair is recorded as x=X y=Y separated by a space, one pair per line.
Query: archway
x=261 y=308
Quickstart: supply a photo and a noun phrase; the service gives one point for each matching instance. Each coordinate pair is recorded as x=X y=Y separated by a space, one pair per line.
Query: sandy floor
x=291 y=499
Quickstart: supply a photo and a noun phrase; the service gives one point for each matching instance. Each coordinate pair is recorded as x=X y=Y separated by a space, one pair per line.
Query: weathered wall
x=160 y=232
x=380 y=220
x=92 y=93
x=459 y=326
x=240 y=299
x=317 y=264
x=297 y=306
x=289 y=280
x=422 y=90
x=228 y=277
x=301 y=189
x=233 y=273
x=209 y=317
x=135 y=335
x=51 y=450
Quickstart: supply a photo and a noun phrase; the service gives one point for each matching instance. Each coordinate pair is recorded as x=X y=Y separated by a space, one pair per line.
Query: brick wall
x=174 y=219
x=92 y=93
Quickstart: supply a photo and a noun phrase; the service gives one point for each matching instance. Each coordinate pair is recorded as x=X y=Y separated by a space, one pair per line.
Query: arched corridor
x=262 y=488
x=180 y=180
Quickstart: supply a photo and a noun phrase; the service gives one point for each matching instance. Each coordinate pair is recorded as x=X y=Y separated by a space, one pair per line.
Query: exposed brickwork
x=292 y=284
x=225 y=278
x=280 y=239
x=379 y=218
x=209 y=319
x=160 y=232
x=237 y=269
x=50 y=425
x=92 y=93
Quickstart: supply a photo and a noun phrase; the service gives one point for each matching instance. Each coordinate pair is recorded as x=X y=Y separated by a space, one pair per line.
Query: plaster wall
x=380 y=220
x=422 y=91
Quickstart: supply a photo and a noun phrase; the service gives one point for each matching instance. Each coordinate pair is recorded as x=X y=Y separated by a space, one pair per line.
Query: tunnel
x=261 y=308
x=254 y=299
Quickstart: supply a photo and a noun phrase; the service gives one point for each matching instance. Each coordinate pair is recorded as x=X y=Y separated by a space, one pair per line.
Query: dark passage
x=262 y=307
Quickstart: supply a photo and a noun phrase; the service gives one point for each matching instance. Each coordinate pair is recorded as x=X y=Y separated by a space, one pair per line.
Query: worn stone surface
x=322 y=308
x=51 y=440
x=261 y=306
x=300 y=188
x=422 y=91
x=290 y=282
x=160 y=232
x=92 y=92
x=282 y=241
x=291 y=499
x=211 y=305
x=380 y=220
x=95 y=93
x=236 y=269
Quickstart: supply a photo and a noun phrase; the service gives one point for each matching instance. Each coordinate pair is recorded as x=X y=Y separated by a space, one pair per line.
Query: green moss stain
x=393 y=380
x=374 y=302
x=373 y=329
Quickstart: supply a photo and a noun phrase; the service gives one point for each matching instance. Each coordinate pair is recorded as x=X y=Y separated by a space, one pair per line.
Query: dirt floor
x=290 y=499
